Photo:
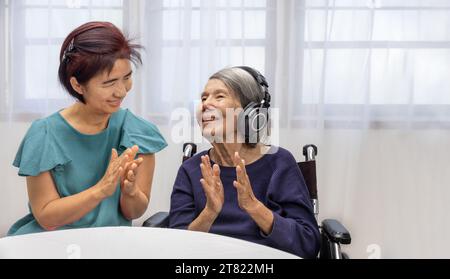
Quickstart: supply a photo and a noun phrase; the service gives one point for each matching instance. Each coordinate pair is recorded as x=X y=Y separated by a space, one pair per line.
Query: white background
x=366 y=81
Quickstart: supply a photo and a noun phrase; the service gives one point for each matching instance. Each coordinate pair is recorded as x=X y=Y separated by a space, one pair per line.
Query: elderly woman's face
x=218 y=105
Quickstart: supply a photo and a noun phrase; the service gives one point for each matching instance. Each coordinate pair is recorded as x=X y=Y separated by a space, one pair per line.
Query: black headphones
x=255 y=117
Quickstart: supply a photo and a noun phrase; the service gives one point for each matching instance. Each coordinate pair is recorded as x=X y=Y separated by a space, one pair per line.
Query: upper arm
x=144 y=176
x=41 y=192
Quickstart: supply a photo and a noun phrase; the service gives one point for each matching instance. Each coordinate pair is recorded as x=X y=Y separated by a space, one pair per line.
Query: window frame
x=368 y=115
x=20 y=103
x=158 y=39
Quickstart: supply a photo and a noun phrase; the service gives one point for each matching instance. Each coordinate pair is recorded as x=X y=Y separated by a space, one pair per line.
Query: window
x=189 y=40
x=391 y=56
x=4 y=14
x=185 y=41
x=39 y=28
x=381 y=60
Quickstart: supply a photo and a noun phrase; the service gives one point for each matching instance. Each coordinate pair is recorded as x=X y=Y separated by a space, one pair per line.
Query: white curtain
x=366 y=81
x=3 y=62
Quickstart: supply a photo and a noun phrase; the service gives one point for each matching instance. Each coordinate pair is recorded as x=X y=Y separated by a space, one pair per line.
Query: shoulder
x=134 y=123
x=38 y=152
x=193 y=164
x=42 y=126
x=138 y=131
x=129 y=118
x=280 y=157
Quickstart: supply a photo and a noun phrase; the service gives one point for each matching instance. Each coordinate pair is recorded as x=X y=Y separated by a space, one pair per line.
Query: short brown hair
x=91 y=49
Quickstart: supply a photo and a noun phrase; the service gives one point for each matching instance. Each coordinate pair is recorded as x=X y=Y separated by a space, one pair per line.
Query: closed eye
x=110 y=84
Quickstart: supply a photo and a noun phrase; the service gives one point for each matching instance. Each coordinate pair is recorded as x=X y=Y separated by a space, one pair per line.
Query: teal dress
x=77 y=162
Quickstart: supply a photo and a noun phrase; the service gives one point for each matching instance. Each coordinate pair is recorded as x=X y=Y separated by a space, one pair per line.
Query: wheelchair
x=333 y=233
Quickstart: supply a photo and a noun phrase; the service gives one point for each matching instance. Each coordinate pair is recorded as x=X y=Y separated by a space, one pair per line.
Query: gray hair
x=242 y=83
x=246 y=88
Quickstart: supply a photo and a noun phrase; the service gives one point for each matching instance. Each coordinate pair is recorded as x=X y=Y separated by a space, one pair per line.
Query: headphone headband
x=261 y=80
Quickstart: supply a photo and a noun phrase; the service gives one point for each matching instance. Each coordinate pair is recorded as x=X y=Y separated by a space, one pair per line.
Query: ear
x=77 y=86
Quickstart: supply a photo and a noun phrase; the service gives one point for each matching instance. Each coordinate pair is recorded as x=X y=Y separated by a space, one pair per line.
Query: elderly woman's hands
x=262 y=216
x=212 y=185
x=246 y=197
x=213 y=188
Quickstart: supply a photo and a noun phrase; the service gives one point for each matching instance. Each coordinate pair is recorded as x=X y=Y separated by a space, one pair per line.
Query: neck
x=91 y=117
x=223 y=153
x=86 y=119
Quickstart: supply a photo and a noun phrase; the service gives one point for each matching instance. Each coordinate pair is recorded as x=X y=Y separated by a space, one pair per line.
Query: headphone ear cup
x=244 y=121
x=251 y=121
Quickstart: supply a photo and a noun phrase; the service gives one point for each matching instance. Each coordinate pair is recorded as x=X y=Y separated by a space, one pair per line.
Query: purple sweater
x=277 y=182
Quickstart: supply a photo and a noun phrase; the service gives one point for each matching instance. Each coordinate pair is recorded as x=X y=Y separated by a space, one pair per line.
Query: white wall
x=390 y=188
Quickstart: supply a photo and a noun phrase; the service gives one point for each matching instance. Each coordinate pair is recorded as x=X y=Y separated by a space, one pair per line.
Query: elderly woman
x=90 y=164
x=242 y=188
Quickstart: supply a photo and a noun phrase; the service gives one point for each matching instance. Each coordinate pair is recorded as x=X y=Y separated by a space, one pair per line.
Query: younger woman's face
x=105 y=92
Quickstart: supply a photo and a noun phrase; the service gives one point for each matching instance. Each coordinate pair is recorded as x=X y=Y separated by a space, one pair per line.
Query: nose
x=208 y=104
x=121 y=90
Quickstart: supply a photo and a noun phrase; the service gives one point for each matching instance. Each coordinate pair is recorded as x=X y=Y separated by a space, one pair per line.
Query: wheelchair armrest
x=159 y=220
x=336 y=232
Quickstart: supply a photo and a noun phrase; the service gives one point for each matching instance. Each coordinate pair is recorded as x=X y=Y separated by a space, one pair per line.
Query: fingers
x=133 y=151
x=242 y=177
x=124 y=159
x=237 y=159
x=237 y=185
x=206 y=187
x=114 y=154
x=207 y=161
x=116 y=175
x=210 y=175
x=131 y=176
x=211 y=181
x=216 y=170
x=217 y=180
x=239 y=174
x=115 y=160
x=138 y=162
x=129 y=154
x=240 y=188
x=206 y=174
x=241 y=171
x=205 y=167
x=204 y=184
x=240 y=162
x=128 y=186
x=242 y=183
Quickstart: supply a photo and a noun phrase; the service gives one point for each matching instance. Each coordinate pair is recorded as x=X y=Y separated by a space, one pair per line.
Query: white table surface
x=135 y=243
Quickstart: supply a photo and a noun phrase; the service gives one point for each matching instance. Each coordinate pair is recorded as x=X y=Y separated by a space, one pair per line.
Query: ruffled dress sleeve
x=140 y=132
x=39 y=151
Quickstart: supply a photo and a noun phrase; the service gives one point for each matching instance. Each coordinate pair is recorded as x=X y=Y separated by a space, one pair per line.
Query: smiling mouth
x=116 y=103
x=209 y=119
